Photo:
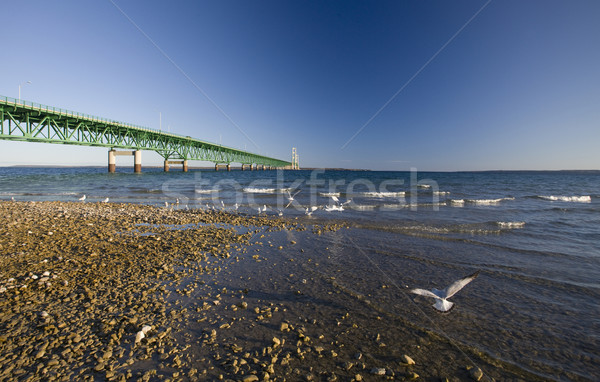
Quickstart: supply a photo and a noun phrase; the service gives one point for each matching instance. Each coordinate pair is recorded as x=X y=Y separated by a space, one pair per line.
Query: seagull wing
x=459 y=284
x=334 y=198
x=426 y=293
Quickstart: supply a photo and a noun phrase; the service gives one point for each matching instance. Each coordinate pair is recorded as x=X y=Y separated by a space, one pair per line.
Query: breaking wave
x=373 y=194
x=560 y=198
x=478 y=202
x=257 y=190
x=510 y=225
x=206 y=191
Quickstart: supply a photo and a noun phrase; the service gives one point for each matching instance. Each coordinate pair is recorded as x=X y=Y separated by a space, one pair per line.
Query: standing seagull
x=105 y=200
x=82 y=198
x=441 y=296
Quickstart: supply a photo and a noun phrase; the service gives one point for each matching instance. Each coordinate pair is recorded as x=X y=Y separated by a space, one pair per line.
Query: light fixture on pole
x=24 y=83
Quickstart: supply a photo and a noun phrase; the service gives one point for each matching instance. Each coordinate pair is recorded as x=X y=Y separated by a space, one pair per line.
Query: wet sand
x=92 y=291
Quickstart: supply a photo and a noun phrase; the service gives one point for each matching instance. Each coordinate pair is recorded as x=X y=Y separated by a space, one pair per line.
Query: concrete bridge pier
x=137 y=161
x=183 y=163
x=112 y=159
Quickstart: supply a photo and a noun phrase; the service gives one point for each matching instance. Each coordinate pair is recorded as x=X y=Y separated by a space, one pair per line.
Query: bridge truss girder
x=21 y=122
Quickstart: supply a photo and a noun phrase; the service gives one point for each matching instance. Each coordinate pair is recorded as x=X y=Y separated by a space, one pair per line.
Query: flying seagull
x=441 y=296
x=311 y=210
x=290 y=197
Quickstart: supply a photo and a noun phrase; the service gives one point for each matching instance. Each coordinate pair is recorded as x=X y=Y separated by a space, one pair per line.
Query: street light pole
x=24 y=83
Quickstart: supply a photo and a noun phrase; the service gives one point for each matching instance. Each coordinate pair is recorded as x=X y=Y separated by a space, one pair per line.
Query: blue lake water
x=535 y=236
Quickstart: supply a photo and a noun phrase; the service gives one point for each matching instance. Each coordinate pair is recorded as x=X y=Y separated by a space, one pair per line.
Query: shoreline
x=225 y=296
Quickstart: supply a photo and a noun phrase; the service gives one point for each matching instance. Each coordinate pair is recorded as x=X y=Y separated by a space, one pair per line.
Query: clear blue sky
x=517 y=88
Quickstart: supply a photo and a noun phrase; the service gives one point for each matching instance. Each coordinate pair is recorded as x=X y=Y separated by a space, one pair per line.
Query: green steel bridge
x=31 y=122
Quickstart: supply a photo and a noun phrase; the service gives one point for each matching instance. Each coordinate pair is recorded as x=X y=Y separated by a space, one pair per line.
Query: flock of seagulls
x=336 y=205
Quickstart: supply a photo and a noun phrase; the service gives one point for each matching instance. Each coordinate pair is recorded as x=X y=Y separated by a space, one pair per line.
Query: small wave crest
x=487 y=202
x=363 y=207
x=562 y=198
x=510 y=225
x=7 y=193
x=258 y=190
x=205 y=191
x=135 y=190
x=373 y=194
x=329 y=194
x=477 y=202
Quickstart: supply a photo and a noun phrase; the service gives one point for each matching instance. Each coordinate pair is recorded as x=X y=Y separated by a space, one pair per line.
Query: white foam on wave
x=257 y=190
x=561 y=198
x=457 y=202
x=207 y=191
x=441 y=192
x=373 y=194
x=424 y=185
x=329 y=194
x=511 y=225
x=363 y=207
x=387 y=207
x=487 y=202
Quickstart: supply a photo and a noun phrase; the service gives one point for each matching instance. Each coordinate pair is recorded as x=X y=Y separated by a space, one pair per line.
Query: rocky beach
x=103 y=291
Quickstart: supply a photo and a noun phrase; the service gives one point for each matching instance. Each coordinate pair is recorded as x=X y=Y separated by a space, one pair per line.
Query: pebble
x=378 y=371
x=476 y=373
x=407 y=360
